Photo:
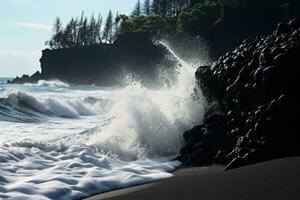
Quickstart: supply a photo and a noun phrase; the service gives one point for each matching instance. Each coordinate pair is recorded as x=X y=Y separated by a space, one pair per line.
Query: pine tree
x=116 y=21
x=99 y=31
x=83 y=32
x=66 y=39
x=107 y=32
x=80 y=30
x=74 y=25
x=137 y=9
x=147 y=7
x=55 y=41
x=163 y=7
x=155 y=7
x=91 y=33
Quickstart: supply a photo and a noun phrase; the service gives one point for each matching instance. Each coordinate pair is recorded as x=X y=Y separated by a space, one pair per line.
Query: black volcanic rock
x=256 y=86
x=26 y=79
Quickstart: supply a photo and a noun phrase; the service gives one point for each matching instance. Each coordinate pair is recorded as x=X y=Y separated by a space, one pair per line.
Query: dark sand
x=274 y=180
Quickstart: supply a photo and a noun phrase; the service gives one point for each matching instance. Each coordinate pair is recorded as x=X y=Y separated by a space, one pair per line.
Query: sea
x=62 y=141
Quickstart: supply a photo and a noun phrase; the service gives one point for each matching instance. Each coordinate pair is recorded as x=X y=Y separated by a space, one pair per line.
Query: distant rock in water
x=133 y=54
x=26 y=79
x=253 y=93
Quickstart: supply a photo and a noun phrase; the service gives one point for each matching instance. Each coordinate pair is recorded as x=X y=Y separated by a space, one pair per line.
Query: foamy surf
x=38 y=171
x=80 y=141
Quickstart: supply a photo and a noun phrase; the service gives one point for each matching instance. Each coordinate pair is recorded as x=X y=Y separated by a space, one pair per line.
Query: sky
x=25 y=25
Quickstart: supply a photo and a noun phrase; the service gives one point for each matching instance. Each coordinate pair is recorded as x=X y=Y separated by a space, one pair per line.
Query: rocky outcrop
x=255 y=90
x=26 y=79
x=133 y=54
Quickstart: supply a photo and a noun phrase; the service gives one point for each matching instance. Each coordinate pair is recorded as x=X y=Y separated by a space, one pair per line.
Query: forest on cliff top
x=157 y=17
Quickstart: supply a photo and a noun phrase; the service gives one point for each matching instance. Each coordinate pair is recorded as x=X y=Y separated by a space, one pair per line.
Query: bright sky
x=25 y=25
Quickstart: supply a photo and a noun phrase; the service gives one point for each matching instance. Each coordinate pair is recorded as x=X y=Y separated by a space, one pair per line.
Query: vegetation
x=156 y=17
x=153 y=24
x=199 y=18
x=108 y=28
x=153 y=16
x=81 y=32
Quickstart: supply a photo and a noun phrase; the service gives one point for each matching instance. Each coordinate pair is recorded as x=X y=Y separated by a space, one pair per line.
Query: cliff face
x=254 y=103
x=132 y=54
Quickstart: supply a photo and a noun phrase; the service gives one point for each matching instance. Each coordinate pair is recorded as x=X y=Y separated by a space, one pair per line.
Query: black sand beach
x=277 y=179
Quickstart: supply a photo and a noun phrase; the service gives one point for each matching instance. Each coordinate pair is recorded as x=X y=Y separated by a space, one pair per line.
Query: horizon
x=27 y=25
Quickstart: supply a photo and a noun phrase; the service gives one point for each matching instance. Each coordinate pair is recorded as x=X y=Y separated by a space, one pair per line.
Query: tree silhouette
x=55 y=42
x=76 y=33
x=107 y=32
x=147 y=7
x=98 y=30
x=137 y=9
x=155 y=7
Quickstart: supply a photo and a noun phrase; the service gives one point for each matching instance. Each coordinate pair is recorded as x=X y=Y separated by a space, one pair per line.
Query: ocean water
x=59 y=141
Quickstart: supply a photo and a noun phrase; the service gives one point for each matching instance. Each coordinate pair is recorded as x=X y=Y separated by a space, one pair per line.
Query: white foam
x=39 y=171
x=52 y=83
x=147 y=123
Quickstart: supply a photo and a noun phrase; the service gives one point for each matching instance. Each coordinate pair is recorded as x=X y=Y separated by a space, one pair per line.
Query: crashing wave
x=27 y=108
x=52 y=83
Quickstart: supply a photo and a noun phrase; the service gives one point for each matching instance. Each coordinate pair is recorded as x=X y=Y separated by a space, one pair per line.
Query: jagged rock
x=294 y=23
x=26 y=79
x=256 y=86
x=282 y=28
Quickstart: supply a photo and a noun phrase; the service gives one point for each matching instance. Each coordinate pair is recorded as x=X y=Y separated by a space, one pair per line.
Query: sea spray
x=150 y=123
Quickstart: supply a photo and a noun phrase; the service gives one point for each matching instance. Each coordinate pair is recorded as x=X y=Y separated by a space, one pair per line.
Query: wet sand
x=276 y=179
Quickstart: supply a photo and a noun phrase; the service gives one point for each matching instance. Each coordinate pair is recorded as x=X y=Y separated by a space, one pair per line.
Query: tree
x=125 y=25
x=98 y=29
x=83 y=32
x=107 y=32
x=91 y=31
x=163 y=7
x=155 y=7
x=117 y=21
x=67 y=38
x=77 y=33
x=199 y=18
x=56 y=42
x=116 y=24
x=153 y=24
x=147 y=7
x=137 y=9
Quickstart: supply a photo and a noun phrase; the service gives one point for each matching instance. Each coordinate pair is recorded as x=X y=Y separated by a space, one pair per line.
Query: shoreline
x=275 y=179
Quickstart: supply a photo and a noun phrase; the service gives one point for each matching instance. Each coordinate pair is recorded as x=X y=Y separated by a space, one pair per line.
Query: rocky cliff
x=254 y=102
x=133 y=54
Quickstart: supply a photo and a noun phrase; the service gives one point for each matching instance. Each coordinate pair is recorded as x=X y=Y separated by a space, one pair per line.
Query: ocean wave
x=52 y=83
x=147 y=123
x=24 y=107
x=133 y=139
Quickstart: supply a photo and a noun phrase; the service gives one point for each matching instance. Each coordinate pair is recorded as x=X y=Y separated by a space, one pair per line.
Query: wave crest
x=52 y=83
x=22 y=107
